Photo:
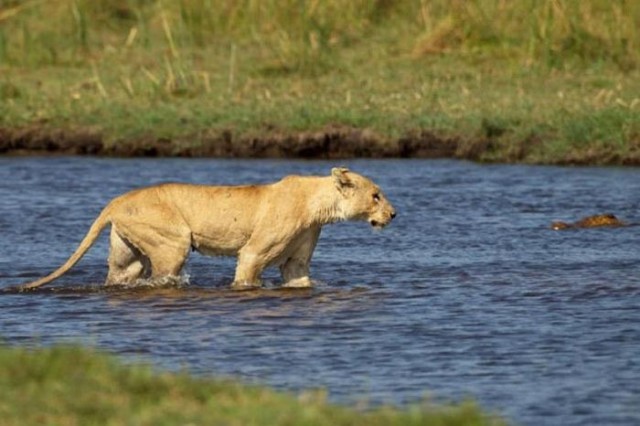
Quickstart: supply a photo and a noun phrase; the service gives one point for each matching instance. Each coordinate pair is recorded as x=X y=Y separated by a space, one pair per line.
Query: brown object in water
x=590 y=222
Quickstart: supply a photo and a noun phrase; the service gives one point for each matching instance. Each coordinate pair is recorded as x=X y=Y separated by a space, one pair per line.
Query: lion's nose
x=393 y=214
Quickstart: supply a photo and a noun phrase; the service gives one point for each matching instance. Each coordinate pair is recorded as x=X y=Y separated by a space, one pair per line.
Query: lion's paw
x=304 y=282
x=245 y=285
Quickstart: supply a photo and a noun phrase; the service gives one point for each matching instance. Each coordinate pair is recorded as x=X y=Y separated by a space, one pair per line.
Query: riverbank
x=554 y=82
x=70 y=385
x=333 y=142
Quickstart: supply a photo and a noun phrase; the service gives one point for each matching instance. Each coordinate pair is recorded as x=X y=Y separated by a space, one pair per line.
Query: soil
x=332 y=142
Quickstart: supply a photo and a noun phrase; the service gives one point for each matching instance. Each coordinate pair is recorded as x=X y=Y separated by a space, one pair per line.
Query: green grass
x=74 y=386
x=542 y=80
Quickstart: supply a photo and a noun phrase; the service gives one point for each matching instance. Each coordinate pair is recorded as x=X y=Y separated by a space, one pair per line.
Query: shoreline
x=330 y=142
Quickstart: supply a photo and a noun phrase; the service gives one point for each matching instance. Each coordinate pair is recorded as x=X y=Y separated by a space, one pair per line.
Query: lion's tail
x=98 y=225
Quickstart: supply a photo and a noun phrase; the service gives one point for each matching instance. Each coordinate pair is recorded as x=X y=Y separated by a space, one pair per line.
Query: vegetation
x=532 y=80
x=73 y=386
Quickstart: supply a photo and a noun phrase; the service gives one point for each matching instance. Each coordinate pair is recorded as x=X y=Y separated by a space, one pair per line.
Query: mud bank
x=332 y=142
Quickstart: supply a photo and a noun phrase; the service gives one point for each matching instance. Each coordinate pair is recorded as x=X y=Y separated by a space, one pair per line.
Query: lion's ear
x=341 y=178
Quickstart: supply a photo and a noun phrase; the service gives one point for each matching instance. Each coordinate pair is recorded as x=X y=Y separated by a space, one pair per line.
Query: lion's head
x=361 y=199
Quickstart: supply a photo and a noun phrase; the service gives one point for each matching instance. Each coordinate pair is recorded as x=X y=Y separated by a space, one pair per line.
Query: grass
x=74 y=386
x=541 y=80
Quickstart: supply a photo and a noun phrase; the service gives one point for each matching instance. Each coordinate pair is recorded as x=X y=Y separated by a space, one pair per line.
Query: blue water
x=468 y=293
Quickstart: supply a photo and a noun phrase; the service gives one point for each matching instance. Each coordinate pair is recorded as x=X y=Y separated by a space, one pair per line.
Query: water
x=467 y=293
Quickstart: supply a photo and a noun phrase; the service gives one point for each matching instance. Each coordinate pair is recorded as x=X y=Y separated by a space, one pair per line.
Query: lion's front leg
x=263 y=249
x=248 y=270
x=295 y=274
x=295 y=269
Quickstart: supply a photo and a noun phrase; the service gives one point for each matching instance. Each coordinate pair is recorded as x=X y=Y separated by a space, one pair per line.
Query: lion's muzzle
x=381 y=223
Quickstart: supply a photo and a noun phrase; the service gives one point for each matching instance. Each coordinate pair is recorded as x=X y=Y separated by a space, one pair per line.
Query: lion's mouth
x=376 y=224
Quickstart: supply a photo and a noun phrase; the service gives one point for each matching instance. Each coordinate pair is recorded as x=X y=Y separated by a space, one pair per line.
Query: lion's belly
x=219 y=244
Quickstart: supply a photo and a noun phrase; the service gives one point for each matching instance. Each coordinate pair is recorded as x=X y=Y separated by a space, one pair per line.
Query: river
x=467 y=293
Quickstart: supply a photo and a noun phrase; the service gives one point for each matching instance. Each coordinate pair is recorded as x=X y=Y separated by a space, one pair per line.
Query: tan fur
x=154 y=229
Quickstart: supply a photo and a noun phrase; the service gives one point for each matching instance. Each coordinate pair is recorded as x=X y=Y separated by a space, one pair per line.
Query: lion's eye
x=376 y=197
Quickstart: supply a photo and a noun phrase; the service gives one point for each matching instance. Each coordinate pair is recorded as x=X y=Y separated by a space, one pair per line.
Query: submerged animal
x=595 y=221
x=153 y=229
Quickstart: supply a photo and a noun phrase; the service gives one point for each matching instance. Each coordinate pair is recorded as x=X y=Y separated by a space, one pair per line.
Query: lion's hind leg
x=155 y=251
x=126 y=262
x=168 y=260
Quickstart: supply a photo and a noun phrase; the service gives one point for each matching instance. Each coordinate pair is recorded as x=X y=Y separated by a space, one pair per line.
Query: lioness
x=153 y=229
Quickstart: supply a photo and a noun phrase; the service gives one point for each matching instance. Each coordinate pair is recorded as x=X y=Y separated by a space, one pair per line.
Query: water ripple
x=467 y=293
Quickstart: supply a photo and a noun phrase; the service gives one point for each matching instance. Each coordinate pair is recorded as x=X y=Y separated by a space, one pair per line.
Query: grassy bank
x=73 y=386
x=536 y=81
